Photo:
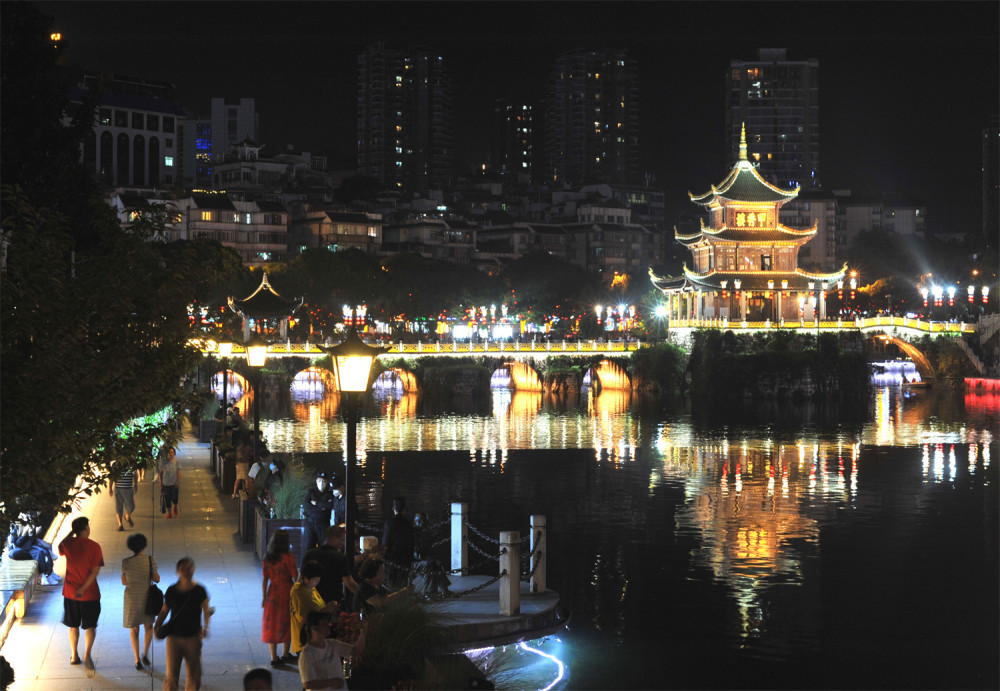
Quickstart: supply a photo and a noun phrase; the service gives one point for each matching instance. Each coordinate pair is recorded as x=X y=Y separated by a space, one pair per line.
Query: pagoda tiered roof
x=798 y=280
x=265 y=303
x=779 y=234
x=744 y=184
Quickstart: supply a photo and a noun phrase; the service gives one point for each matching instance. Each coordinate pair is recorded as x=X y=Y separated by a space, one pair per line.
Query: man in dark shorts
x=336 y=581
x=81 y=594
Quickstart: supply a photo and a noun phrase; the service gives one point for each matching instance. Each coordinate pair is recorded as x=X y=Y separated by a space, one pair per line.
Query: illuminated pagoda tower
x=265 y=312
x=745 y=265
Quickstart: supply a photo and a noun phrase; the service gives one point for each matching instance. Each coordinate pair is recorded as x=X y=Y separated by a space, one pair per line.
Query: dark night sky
x=905 y=87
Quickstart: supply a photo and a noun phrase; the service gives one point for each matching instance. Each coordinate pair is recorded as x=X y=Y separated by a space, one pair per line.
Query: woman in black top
x=186 y=601
x=371 y=592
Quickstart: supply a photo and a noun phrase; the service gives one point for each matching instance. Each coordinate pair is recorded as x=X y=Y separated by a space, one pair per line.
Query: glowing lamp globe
x=256 y=351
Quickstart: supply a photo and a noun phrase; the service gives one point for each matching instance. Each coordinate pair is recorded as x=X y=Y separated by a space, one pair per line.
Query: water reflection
x=773 y=540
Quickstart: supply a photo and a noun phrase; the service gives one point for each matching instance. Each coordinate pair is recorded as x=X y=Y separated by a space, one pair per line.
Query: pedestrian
x=257 y=679
x=305 y=599
x=138 y=571
x=123 y=490
x=244 y=455
x=279 y=573
x=321 y=663
x=318 y=506
x=398 y=538
x=81 y=594
x=336 y=583
x=170 y=482
x=372 y=593
x=339 y=501
x=185 y=601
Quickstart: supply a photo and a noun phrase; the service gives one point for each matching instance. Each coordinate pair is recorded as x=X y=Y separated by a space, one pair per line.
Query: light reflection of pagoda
x=746 y=262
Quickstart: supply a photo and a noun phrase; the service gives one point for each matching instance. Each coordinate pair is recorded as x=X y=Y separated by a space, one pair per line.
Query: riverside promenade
x=37 y=646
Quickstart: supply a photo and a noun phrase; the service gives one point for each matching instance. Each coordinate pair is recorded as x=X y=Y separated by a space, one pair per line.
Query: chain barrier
x=365 y=526
x=478 y=587
x=485 y=554
x=538 y=542
x=481 y=534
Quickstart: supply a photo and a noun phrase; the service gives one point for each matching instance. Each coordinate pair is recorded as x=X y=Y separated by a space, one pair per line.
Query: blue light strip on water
x=559 y=664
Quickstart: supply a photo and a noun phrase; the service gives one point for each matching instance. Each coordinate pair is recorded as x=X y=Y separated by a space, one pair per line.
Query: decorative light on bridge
x=951 y=296
x=938 y=293
x=986 y=294
x=598 y=309
x=924 y=292
x=972 y=293
x=854 y=284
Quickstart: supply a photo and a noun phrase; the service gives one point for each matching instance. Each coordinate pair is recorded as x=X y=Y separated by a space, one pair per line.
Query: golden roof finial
x=743 y=141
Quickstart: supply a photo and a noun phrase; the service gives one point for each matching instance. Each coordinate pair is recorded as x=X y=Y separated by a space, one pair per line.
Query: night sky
x=906 y=88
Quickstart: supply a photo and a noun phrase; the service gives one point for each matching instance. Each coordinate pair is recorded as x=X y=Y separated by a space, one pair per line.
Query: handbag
x=154 y=598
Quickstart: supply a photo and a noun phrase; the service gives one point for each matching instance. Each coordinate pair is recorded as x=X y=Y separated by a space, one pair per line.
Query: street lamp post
x=256 y=357
x=225 y=350
x=352 y=366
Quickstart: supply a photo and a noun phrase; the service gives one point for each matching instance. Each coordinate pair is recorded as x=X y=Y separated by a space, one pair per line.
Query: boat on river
x=916 y=384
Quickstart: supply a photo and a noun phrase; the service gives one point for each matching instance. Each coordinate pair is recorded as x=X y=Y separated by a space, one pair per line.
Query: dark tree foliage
x=545 y=285
x=94 y=321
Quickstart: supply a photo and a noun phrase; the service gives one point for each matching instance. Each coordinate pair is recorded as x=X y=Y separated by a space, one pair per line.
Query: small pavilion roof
x=265 y=303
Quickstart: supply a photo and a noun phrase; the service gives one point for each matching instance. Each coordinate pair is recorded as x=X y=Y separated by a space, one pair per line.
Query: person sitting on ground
x=371 y=592
x=321 y=660
x=304 y=599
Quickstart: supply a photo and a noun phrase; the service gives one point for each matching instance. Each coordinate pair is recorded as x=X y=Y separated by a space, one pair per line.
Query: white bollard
x=459 y=537
x=538 y=558
x=510 y=585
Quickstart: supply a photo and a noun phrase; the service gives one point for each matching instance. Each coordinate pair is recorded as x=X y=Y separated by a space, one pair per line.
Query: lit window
x=134 y=216
x=236 y=218
x=168 y=161
x=248 y=219
x=206 y=215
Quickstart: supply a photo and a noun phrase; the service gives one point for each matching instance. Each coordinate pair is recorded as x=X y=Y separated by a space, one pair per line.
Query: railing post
x=459 y=537
x=538 y=547
x=510 y=561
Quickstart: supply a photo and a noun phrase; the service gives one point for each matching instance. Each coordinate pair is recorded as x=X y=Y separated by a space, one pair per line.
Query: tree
x=93 y=319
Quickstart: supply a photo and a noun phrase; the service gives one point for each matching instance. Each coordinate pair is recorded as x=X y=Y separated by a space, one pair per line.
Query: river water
x=761 y=546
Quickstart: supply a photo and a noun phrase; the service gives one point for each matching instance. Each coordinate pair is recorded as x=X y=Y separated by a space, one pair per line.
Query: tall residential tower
x=405 y=132
x=778 y=101
x=592 y=118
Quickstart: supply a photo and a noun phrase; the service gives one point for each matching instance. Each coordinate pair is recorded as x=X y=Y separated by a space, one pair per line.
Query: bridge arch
x=315 y=381
x=235 y=387
x=516 y=375
x=396 y=378
x=607 y=375
x=924 y=366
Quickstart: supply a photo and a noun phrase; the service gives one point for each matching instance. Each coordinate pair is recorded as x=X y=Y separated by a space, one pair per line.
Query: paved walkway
x=206 y=530
x=38 y=646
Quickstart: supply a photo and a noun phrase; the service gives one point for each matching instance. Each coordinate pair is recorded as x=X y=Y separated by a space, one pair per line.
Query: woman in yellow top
x=304 y=599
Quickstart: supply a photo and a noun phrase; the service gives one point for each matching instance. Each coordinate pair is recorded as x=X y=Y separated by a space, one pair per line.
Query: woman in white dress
x=138 y=571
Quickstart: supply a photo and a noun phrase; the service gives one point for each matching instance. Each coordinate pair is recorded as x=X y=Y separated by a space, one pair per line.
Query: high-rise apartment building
x=231 y=124
x=513 y=142
x=405 y=131
x=592 y=118
x=991 y=181
x=778 y=101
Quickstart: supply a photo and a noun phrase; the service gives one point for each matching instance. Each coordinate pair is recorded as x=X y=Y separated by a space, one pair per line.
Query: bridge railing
x=862 y=323
x=446 y=347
